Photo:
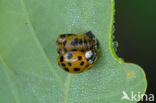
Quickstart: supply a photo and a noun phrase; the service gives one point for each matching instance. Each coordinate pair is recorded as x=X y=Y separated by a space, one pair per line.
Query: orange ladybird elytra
x=77 y=53
x=76 y=61
x=73 y=42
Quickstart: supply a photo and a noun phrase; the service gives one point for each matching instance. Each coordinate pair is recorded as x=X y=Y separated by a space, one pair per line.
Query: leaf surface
x=28 y=67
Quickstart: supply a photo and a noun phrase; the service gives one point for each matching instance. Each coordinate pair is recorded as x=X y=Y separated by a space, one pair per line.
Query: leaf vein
x=59 y=80
x=12 y=85
x=66 y=88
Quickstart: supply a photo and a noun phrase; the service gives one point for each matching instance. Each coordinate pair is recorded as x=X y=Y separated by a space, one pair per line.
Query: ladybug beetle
x=77 y=53
x=77 y=61
x=73 y=42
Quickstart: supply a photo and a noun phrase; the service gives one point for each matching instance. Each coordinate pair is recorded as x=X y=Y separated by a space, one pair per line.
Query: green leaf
x=28 y=67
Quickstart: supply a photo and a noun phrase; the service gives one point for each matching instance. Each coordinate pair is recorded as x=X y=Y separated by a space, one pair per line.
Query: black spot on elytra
x=80 y=41
x=69 y=55
x=79 y=57
x=85 y=42
x=82 y=63
x=69 y=64
x=66 y=69
x=64 y=43
x=62 y=36
x=75 y=42
x=76 y=69
x=61 y=59
x=63 y=64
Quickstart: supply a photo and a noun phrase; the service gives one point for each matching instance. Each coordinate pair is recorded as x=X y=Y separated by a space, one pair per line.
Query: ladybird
x=77 y=61
x=73 y=42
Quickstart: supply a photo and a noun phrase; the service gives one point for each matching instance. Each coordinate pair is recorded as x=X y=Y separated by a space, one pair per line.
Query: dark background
x=135 y=30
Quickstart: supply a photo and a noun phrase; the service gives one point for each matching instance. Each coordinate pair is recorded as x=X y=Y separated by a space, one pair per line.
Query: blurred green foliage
x=136 y=33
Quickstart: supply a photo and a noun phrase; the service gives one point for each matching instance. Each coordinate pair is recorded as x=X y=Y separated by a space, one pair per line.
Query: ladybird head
x=91 y=56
